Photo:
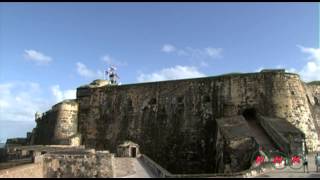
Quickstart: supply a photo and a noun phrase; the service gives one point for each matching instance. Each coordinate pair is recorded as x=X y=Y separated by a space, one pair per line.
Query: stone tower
x=66 y=121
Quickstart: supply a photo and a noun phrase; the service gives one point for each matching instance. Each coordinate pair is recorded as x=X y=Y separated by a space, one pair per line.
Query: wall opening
x=250 y=114
x=316 y=101
x=133 y=152
x=31 y=153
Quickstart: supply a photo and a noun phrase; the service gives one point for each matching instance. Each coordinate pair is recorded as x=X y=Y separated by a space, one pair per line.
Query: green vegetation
x=314 y=83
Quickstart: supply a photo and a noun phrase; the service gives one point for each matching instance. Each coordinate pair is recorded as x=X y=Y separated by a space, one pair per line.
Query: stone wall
x=78 y=164
x=174 y=122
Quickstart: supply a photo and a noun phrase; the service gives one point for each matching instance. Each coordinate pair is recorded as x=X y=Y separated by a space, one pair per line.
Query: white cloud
x=213 y=52
x=199 y=53
x=259 y=69
x=291 y=70
x=168 y=48
x=313 y=52
x=62 y=95
x=177 y=72
x=20 y=100
x=311 y=71
x=112 y=61
x=84 y=71
x=37 y=57
x=205 y=53
x=200 y=56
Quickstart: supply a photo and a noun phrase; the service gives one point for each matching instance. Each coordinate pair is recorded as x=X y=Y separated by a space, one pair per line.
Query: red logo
x=277 y=160
x=259 y=160
x=295 y=160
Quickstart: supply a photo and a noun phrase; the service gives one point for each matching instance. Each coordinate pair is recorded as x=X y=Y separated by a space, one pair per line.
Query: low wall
x=23 y=171
x=275 y=135
x=78 y=164
x=20 y=152
x=160 y=172
x=156 y=169
x=277 y=129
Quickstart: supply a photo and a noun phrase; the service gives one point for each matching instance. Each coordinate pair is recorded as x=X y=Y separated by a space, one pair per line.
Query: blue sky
x=47 y=50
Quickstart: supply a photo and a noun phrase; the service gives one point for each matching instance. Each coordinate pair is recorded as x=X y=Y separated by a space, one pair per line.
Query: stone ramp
x=131 y=168
x=260 y=135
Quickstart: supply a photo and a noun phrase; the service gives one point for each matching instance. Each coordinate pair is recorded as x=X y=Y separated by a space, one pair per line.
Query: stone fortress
x=209 y=125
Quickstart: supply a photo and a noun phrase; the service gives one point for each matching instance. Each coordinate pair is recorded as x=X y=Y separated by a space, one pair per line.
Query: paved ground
x=13 y=163
x=141 y=171
x=290 y=173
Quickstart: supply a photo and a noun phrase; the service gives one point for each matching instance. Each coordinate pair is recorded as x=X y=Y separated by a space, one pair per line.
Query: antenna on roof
x=113 y=76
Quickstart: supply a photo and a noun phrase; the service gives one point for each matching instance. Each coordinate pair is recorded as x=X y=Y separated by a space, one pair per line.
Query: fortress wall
x=299 y=112
x=290 y=101
x=174 y=122
x=314 y=102
x=43 y=133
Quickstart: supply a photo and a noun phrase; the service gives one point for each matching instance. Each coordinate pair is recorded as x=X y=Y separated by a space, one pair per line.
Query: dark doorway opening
x=133 y=152
x=250 y=114
x=31 y=154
